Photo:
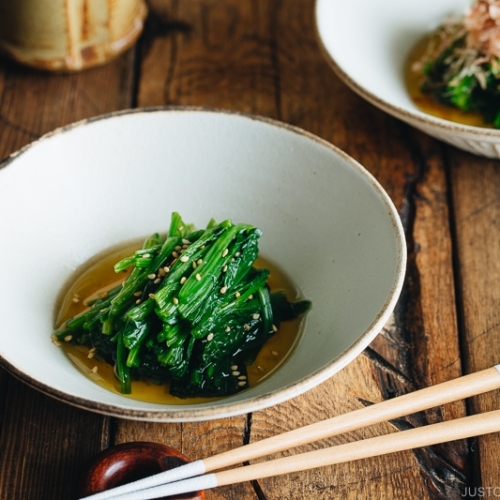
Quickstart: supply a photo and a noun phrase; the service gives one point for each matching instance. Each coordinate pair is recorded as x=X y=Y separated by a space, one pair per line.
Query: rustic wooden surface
x=262 y=57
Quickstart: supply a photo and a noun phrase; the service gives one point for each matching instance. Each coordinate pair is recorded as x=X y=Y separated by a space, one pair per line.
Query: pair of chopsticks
x=194 y=476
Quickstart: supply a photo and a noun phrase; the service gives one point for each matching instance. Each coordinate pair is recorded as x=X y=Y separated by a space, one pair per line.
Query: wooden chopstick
x=446 y=392
x=461 y=428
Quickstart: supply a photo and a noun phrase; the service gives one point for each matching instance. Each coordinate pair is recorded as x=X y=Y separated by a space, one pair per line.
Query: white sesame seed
x=146 y=256
x=256 y=316
x=152 y=276
x=90 y=355
x=223 y=289
x=235 y=373
x=246 y=326
x=137 y=294
x=76 y=299
x=225 y=252
x=250 y=296
x=237 y=295
x=274 y=353
x=260 y=368
x=202 y=247
x=161 y=272
x=92 y=349
x=234 y=367
x=224 y=269
x=227 y=329
x=199 y=262
x=183 y=280
x=138 y=301
x=166 y=269
x=157 y=281
x=175 y=300
x=194 y=265
x=210 y=336
x=186 y=241
x=242 y=383
x=151 y=295
x=242 y=377
x=56 y=342
x=94 y=370
x=275 y=328
x=184 y=258
x=237 y=254
x=68 y=338
x=198 y=276
x=178 y=248
x=175 y=255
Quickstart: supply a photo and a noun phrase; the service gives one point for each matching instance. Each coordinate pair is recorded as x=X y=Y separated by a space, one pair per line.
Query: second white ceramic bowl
x=367 y=43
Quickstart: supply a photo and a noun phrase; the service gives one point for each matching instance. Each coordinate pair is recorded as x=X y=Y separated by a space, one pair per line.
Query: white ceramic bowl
x=92 y=185
x=367 y=43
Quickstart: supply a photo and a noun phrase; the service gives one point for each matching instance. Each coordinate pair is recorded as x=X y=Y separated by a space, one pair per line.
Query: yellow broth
x=425 y=102
x=98 y=275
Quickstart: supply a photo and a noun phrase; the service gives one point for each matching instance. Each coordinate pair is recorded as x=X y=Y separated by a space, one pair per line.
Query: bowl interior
x=369 y=41
x=83 y=189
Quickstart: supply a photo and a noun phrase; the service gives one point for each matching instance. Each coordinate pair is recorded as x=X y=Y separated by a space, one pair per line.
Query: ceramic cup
x=69 y=35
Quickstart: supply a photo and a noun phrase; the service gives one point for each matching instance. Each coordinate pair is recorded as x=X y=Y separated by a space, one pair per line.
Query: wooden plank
x=476 y=193
x=45 y=443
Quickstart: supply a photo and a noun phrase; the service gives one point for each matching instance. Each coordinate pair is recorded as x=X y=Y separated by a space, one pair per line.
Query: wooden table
x=262 y=57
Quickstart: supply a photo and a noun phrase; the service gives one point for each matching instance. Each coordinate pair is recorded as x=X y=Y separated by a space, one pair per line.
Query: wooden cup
x=69 y=35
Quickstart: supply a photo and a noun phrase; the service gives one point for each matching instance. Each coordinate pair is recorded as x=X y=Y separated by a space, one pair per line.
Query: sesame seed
x=256 y=316
x=234 y=367
x=223 y=289
x=157 y=281
x=224 y=269
x=184 y=258
x=202 y=247
x=246 y=326
x=237 y=295
x=137 y=294
x=161 y=272
x=151 y=295
x=56 y=342
x=242 y=377
x=90 y=355
x=138 y=301
x=181 y=228
x=94 y=370
x=227 y=329
x=198 y=276
x=185 y=246
x=225 y=252
x=237 y=254
x=242 y=383
x=183 y=280
x=275 y=328
x=274 y=353
x=194 y=265
x=68 y=338
x=175 y=255
x=92 y=349
x=210 y=336
x=235 y=373
x=152 y=276
x=178 y=248
x=146 y=256
x=186 y=241
x=175 y=300
x=250 y=297
x=76 y=299
x=199 y=262
x=166 y=269
x=260 y=368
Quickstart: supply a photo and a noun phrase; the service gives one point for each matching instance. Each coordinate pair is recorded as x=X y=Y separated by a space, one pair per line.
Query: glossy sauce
x=426 y=102
x=98 y=275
